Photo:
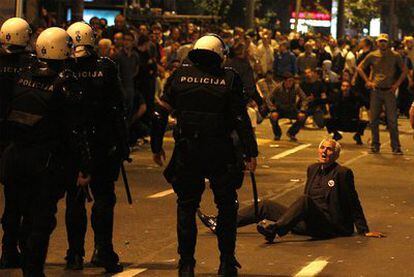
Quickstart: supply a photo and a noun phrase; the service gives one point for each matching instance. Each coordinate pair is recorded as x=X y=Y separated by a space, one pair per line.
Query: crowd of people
x=297 y=75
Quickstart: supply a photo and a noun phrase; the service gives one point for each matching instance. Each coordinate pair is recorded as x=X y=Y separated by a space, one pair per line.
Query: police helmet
x=210 y=47
x=15 y=31
x=82 y=34
x=53 y=44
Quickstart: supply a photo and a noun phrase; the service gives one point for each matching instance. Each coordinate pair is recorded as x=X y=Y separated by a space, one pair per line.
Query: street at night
x=145 y=232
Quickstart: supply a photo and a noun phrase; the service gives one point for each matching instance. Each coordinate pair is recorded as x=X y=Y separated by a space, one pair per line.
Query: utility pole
x=250 y=14
x=340 y=31
x=19 y=8
x=297 y=11
x=393 y=20
x=77 y=10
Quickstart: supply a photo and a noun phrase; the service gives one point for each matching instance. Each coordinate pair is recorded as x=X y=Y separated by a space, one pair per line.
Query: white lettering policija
x=202 y=80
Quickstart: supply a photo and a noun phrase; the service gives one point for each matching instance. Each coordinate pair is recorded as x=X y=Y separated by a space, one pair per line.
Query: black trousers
x=102 y=217
x=268 y=210
x=102 y=188
x=291 y=114
x=11 y=219
x=316 y=222
x=303 y=217
x=189 y=169
x=35 y=181
x=358 y=126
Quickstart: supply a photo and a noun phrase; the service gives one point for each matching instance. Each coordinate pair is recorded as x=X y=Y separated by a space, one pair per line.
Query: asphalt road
x=145 y=237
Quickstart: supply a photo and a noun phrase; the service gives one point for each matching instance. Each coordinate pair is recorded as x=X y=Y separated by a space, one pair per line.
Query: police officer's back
x=209 y=104
x=103 y=103
x=14 y=37
x=43 y=127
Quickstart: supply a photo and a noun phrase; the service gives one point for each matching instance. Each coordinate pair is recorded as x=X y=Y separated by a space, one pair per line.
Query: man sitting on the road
x=329 y=207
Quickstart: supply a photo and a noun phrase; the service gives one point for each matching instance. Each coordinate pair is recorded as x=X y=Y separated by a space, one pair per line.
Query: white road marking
x=365 y=153
x=130 y=272
x=162 y=194
x=290 y=151
x=313 y=268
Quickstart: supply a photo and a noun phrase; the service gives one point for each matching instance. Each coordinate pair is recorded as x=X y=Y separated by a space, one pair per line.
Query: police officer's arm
x=242 y=122
x=115 y=102
x=71 y=94
x=160 y=120
x=5 y=96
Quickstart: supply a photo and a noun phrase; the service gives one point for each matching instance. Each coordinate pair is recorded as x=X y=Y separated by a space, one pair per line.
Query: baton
x=125 y=179
x=255 y=196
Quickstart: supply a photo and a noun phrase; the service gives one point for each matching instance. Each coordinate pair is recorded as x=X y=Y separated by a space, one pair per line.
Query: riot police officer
x=44 y=128
x=209 y=104
x=14 y=37
x=98 y=77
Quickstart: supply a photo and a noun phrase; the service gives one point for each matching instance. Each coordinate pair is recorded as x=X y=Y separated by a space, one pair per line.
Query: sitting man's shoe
x=208 y=220
x=276 y=138
x=375 y=150
x=228 y=267
x=267 y=230
x=74 y=262
x=397 y=151
x=186 y=268
x=357 y=138
x=10 y=259
x=337 y=136
x=107 y=259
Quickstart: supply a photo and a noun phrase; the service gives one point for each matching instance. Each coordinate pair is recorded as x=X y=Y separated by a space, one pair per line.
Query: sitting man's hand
x=375 y=234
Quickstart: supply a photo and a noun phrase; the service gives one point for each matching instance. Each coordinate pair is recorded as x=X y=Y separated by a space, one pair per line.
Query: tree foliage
x=360 y=12
x=212 y=7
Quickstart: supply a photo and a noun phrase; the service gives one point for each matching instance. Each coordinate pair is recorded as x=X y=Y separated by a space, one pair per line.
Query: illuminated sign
x=313 y=15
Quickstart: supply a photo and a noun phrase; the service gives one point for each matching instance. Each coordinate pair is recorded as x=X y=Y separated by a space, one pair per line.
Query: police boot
x=186 y=268
x=228 y=266
x=108 y=259
x=208 y=220
x=74 y=262
x=10 y=259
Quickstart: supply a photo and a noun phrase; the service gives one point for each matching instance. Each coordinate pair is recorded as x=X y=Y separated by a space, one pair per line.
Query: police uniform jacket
x=344 y=208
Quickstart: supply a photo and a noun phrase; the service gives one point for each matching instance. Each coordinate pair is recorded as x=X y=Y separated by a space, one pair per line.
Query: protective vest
x=103 y=98
x=10 y=67
x=34 y=112
x=201 y=101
